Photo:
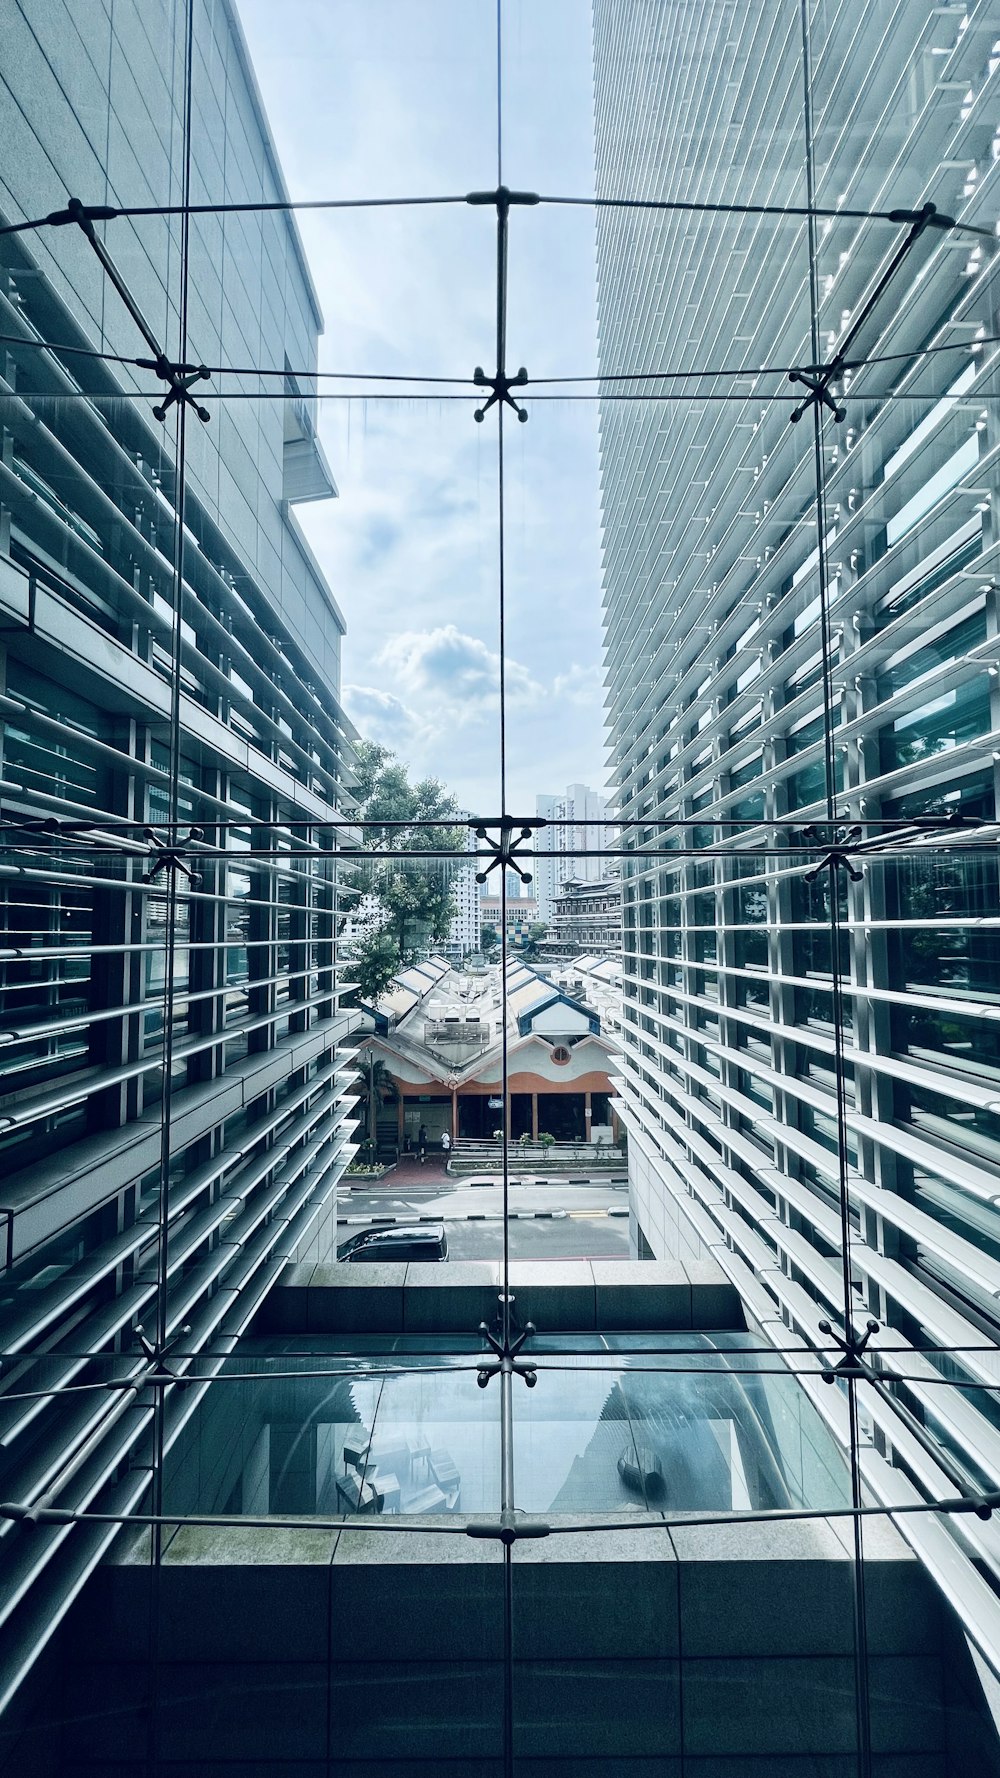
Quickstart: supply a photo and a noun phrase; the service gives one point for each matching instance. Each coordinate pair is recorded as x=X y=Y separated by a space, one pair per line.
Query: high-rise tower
x=172 y=1121
x=576 y=838
x=801 y=629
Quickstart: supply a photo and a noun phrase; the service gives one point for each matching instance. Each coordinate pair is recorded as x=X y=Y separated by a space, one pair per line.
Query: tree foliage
x=417 y=897
x=377 y=1087
x=375 y=964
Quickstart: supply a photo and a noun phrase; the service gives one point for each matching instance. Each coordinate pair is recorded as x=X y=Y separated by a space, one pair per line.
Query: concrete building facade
x=133 y=1193
x=647 y=1648
x=576 y=829
x=464 y=933
x=519 y=914
x=733 y=714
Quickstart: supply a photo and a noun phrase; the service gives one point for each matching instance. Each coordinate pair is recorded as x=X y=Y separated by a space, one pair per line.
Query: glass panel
x=749 y=519
x=663 y=1434
x=368 y=1440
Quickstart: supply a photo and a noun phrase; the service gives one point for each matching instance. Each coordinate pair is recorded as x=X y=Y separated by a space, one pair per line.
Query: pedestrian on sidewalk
x=445 y=1143
x=422 y=1144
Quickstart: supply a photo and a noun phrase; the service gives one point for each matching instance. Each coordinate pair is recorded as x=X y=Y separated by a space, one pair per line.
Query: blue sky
x=397 y=97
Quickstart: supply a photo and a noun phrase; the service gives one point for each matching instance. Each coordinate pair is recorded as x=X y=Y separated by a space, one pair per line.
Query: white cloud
x=398 y=98
x=580 y=685
x=442 y=683
x=457 y=674
x=382 y=717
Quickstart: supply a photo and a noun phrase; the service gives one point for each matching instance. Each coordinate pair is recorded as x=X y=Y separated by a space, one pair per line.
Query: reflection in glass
x=695 y=1432
x=426 y=1442
x=734 y=1015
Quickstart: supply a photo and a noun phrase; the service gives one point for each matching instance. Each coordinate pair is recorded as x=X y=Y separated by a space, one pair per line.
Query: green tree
x=489 y=940
x=418 y=897
x=375 y=965
x=378 y=1088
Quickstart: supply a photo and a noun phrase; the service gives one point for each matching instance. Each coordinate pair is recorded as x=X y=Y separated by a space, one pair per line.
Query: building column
x=534 y=1117
x=400 y=1121
x=454 y=1115
x=292 y=1468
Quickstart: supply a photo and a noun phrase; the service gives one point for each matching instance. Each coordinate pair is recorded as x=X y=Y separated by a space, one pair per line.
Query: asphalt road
x=579 y=1229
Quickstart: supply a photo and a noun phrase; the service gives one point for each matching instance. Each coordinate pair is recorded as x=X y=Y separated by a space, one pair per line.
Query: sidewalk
x=408 y=1171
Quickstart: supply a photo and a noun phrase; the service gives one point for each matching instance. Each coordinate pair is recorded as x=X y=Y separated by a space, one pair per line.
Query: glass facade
x=802 y=637
x=723 y=1507
x=174 y=1065
x=627 y=1423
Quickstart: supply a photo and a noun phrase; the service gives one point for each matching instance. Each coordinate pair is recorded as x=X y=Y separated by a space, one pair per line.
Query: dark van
x=426 y=1241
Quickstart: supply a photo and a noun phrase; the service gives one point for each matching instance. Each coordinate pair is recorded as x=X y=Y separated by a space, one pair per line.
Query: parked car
x=424 y=1241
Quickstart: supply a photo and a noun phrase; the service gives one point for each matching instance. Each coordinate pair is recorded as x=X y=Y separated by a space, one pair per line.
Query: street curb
x=617 y=1181
x=381 y=1222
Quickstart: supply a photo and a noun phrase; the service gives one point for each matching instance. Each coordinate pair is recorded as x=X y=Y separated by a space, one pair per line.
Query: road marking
x=483 y=1216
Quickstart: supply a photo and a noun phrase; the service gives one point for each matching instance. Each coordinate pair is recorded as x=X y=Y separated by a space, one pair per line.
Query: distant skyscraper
x=569 y=836
x=463 y=935
x=546 y=880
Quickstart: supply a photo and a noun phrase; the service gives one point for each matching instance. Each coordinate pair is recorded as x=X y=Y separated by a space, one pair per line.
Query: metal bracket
x=838 y=857
x=505 y=849
x=954 y=820
x=818 y=378
x=508 y=1529
x=167 y=857
x=500 y=384
x=500 y=388
x=180 y=377
x=85 y=215
x=27 y=827
x=854 y=1368
x=159 y=1370
x=853 y=1348
x=506 y=1361
x=818 y=382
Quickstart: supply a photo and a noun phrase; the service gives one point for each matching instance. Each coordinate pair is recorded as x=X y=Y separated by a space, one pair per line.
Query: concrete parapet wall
x=717 y=1651
x=578 y=1295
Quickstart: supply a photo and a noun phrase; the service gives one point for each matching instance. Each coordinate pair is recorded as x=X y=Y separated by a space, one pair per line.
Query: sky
x=381 y=98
